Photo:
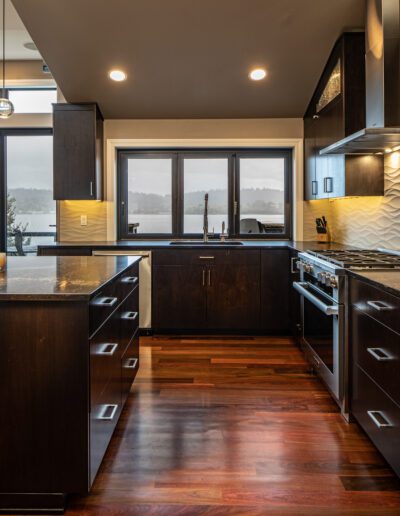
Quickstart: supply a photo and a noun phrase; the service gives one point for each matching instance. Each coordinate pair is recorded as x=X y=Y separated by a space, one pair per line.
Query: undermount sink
x=200 y=242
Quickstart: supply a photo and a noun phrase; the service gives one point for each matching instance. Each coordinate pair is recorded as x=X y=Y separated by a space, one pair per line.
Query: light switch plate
x=83 y=220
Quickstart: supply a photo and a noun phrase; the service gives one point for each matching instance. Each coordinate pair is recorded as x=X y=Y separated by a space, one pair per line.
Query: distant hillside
x=253 y=200
x=33 y=200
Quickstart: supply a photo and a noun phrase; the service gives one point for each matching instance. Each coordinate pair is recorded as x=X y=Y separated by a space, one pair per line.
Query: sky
x=154 y=175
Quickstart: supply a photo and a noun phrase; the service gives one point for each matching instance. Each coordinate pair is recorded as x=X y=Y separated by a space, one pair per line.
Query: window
x=201 y=176
x=149 y=205
x=162 y=193
x=33 y=100
x=29 y=214
x=262 y=195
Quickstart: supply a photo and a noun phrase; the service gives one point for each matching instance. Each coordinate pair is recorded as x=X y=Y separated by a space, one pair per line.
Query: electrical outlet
x=83 y=220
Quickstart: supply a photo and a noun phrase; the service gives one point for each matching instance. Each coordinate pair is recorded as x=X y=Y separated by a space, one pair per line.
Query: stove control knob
x=333 y=281
x=308 y=268
x=299 y=265
x=322 y=277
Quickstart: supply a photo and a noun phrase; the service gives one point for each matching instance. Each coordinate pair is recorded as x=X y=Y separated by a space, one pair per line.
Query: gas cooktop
x=358 y=258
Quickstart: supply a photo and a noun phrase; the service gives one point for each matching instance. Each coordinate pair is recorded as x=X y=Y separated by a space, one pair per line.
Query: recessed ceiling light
x=257 y=74
x=117 y=75
x=30 y=46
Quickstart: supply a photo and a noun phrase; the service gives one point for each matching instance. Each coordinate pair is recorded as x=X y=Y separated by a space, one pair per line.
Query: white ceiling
x=16 y=36
x=189 y=58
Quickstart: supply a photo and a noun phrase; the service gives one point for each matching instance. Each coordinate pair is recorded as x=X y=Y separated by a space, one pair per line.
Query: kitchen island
x=69 y=345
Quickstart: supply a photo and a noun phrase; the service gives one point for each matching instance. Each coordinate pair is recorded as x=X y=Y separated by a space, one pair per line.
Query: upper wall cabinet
x=77 y=152
x=336 y=110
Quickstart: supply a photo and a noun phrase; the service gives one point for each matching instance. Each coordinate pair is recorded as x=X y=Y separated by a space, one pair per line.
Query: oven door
x=322 y=329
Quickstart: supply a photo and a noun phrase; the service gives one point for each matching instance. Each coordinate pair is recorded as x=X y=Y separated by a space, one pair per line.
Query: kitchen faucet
x=205 y=219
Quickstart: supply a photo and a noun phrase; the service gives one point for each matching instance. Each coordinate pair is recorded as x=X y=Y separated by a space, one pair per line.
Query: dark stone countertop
x=385 y=279
x=166 y=244
x=59 y=278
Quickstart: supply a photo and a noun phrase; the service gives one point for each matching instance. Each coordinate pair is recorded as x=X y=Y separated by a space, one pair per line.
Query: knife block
x=323 y=237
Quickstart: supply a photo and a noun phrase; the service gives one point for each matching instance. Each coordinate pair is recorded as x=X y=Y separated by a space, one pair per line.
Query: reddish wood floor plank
x=219 y=426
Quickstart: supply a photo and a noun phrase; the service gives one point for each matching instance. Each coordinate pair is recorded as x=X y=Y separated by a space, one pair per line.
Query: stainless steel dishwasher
x=144 y=282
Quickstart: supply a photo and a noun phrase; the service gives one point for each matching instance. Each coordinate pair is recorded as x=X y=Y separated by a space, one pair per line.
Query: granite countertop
x=387 y=279
x=59 y=278
x=166 y=244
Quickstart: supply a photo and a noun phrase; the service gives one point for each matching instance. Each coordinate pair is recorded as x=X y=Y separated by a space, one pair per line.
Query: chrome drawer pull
x=375 y=415
x=206 y=257
x=379 y=305
x=379 y=354
x=129 y=279
x=108 y=412
x=105 y=301
x=130 y=316
x=131 y=363
x=107 y=349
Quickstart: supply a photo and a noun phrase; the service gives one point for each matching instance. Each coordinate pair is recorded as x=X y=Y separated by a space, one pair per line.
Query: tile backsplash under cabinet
x=367 y=222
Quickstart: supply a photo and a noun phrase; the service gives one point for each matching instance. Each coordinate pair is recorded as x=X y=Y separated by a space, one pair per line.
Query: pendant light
x=6 y=106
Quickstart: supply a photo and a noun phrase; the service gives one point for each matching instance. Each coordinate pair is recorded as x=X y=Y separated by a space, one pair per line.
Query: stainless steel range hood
x=382 y=66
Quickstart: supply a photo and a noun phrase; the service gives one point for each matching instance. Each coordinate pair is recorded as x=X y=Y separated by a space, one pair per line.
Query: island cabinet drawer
x=128 y=318
x=378 y=415
x=104 y=415
x=377 y=350
x=106 y=349
x=129 y=365
x=206 y=257
x=380 y=305
x=103 y=305
x=128 y=281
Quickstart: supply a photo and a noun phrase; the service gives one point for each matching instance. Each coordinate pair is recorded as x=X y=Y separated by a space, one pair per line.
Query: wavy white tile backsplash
x=366 y=222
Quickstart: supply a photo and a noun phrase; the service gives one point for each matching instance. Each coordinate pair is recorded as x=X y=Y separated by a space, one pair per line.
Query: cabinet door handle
x=107 y=349
x=131 y=363
x=379 y=419
x=129 y=279
x=108 y=412
x=209 y=277
x=379 y=354
x=293 y=268
x=380 y=306
x=314 y=187
x=129 y=316
x=328 y=181
x=206 y=257
x=91 y=188
x=204 y=278
x=105 y=301
x=315 y=117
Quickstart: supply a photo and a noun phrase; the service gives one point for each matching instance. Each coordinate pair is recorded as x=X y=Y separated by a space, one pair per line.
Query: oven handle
x=301 y=287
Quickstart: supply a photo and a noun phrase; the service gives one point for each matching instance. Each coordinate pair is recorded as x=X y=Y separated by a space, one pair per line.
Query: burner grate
x=358 y=258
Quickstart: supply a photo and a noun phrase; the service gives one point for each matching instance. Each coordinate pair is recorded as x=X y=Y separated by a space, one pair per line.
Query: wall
x=367 y=222
x=101 y=215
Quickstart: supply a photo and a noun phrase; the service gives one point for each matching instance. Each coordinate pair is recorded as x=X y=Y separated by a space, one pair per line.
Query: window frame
x=4 y=132
x=177 y=190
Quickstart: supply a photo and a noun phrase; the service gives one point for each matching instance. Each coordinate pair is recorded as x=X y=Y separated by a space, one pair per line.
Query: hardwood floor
x=235 y=426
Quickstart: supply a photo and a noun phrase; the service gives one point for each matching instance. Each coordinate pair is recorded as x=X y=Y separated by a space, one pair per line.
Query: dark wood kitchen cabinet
x=67 y=367
x=179 y=299
x=275 y=293
x=77 y=152
x=336 y=110
x=206 y=289
x=375 y=366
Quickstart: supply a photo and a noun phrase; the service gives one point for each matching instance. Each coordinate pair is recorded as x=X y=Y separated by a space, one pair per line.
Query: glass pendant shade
x=6 y=108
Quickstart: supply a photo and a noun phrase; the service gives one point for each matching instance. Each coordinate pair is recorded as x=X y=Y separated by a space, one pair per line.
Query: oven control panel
x=320 y=275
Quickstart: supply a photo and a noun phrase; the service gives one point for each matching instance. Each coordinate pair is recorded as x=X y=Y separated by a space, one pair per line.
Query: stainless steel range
x=323 y=290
